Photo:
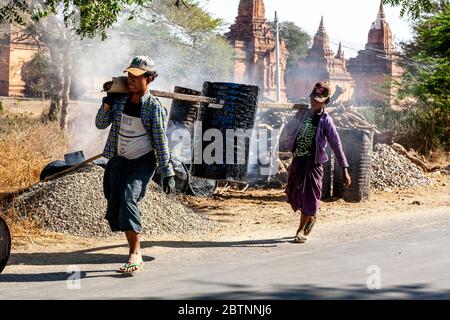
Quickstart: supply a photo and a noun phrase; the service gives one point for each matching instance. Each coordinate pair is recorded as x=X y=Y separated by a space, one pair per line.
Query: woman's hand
x=347 y=179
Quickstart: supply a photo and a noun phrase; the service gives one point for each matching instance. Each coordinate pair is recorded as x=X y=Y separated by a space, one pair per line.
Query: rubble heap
x=74 y=204
x=350 y=118
x=392 y=170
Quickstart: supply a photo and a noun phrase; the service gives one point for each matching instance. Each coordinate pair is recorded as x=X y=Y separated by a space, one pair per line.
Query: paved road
x=406 y=256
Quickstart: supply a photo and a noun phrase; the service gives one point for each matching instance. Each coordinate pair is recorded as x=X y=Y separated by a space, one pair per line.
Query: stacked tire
x=183 y=115
x=238 y=112
x=357 y=145
x=327 y=176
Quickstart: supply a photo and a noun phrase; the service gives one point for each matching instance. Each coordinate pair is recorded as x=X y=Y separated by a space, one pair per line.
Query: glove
x=109 y=100
x=168 y=184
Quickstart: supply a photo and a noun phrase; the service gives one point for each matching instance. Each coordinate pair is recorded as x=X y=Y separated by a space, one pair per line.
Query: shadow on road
x=52 y=276
x=216 y=244
x=70 y=258
x=92 y=256
x=312 y=292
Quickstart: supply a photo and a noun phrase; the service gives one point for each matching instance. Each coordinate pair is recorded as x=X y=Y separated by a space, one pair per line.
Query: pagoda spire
x=321 y=42
x=381 y=18
x=253 y=9
x=340 y=52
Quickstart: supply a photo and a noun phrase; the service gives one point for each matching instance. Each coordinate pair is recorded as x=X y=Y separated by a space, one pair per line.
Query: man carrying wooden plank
x=137 y=142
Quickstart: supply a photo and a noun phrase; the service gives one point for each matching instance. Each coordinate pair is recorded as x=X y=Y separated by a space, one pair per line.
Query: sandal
x=130 y=267
x=308 y=227
x=299 y=239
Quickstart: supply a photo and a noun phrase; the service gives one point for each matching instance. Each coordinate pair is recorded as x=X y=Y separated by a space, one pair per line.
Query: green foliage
x=414 y=8
x=297 y=43
x=427 y=79
x=192 y=18
x=39 y=76
x=88 y=18
x=14 y=11
x=189 y=57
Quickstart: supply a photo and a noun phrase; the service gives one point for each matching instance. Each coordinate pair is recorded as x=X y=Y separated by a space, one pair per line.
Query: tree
x=189 y=31
x=427 y=80
x=297 y=43
x=413 y=8
x=187 y=49
x=87 y=18
x=38 y=75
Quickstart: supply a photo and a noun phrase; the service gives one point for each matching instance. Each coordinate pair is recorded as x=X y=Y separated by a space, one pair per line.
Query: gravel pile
x=392 y=170
x=74 y=204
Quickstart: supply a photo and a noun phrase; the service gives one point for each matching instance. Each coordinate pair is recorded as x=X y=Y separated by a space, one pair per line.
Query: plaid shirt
x=153 y=116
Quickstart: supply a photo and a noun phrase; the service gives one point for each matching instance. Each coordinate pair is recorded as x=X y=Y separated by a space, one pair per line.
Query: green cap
x=140 y=65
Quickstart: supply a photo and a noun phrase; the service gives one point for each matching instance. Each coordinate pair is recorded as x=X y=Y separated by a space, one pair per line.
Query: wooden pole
x=186 y=97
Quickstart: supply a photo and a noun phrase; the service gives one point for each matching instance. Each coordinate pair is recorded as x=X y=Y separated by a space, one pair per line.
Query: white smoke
x=98 y=61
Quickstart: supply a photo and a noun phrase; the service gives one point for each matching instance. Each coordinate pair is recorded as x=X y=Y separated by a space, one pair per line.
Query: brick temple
x=361 y=79
x=320 y=64
x=253 y=41
x=15 y=52
x=376 y=65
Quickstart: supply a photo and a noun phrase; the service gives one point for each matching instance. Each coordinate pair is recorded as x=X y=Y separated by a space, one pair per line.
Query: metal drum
x=327 y=175
x=5 y=244
x=182 y=117
x=238 y=112
x=357 y=145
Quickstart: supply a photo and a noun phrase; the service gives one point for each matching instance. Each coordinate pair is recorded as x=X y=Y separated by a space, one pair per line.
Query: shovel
x=7 y=196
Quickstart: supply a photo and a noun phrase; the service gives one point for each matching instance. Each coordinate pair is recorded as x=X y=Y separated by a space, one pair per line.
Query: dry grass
x=439 y=158
x=26 y=231
x=26 y=145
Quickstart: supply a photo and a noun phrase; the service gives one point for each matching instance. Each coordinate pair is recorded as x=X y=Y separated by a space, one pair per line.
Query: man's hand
x=108 y=102
x=168 y=184
x=347 y=179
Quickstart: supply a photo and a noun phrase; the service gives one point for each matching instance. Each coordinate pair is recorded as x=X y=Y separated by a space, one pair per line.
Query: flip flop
x=308 y=227
x=126 y=269
x=299 y=239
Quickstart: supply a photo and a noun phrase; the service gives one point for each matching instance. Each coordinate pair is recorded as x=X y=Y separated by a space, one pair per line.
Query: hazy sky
x=348 y=21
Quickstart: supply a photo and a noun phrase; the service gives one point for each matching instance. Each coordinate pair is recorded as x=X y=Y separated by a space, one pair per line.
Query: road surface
x=403 y=256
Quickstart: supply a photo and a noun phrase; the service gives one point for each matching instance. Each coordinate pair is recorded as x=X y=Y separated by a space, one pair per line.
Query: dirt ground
x=263 y=213
x=250 y=212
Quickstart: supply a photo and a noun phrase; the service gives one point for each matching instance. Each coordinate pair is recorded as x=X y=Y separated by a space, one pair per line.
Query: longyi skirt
x=304 y=187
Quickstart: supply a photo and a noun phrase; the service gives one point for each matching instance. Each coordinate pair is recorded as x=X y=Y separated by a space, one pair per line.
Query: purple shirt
x=326 y=132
